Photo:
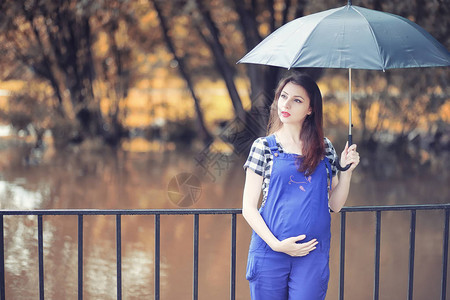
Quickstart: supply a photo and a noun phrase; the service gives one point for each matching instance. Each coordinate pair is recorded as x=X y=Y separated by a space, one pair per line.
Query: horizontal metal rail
x=123 y=212
x=233 y=212
x=221 y=211
x=397 y=207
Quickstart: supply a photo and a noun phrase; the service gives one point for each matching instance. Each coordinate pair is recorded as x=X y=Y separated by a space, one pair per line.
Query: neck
x=290 y=132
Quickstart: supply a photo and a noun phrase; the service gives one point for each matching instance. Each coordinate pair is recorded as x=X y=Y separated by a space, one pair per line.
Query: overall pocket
x=251 y=267
x=254 y=263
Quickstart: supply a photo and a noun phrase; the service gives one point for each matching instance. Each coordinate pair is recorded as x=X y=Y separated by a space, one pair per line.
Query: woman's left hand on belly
x=291 y=246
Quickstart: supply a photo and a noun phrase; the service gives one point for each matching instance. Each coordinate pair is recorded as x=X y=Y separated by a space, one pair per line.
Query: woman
x=289 y=251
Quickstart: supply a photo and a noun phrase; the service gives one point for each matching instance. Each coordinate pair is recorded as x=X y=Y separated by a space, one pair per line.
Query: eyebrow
x=294 y=95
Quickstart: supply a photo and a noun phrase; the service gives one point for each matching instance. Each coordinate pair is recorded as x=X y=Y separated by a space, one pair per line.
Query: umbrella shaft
x=349 y=104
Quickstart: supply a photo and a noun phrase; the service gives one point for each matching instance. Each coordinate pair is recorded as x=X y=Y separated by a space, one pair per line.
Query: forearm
x=257 y=223
x=341 y=186
x=339 y=194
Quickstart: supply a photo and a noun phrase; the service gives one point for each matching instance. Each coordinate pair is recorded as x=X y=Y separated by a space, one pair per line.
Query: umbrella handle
x=338 y=165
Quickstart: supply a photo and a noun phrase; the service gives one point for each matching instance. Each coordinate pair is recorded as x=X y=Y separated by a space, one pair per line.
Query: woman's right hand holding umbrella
x=350 y=157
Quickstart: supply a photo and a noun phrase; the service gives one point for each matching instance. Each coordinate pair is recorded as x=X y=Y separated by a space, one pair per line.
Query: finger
x=299 y=238
x=311 y=243
x=345 y=148
x=355 y=162
x=352 y=160
x=353 y=156
x=352 y=147
x=304 y=252
x=308 y=246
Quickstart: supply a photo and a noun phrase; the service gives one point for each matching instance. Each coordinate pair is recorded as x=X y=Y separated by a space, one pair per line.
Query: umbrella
x=350 y=37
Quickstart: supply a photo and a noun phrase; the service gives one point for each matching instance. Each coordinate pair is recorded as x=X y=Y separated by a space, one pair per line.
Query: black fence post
x=233 y=258
x=412 y=247
x=2 y=260
x=80 y=257
x=342 y=258
x=157 y=255
x=377 y=256
x=445 y=256
x=195 y=267
x=119 y=255
x=41 y=257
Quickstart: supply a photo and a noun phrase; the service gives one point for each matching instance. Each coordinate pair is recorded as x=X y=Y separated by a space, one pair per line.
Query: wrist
x=346 y=175
x=275 y=245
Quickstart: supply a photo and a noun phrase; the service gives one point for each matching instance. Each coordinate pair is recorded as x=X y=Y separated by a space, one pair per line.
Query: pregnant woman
x=294 y=168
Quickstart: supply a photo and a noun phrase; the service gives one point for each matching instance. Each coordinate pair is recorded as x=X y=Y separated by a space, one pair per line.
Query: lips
x=285 y=114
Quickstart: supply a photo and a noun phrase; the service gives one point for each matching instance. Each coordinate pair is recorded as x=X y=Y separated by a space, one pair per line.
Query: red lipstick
x=285 y=114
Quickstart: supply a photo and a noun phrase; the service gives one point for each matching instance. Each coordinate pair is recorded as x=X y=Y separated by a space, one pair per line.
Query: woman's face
x=293 y=104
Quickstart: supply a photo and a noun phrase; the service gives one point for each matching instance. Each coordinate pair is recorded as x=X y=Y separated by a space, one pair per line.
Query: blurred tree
x=221 y=28
x=55 y=41
x=211 y=37
x=31 y=112
x=88 y=53
x=114 y=63
x=204 y=133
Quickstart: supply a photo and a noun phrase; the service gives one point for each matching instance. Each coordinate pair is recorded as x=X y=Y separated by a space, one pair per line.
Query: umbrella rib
x=383 y=63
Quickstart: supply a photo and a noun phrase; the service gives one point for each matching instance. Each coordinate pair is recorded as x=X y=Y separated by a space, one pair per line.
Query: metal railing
x=412 y=244
x=119 y=213
x=233 y=213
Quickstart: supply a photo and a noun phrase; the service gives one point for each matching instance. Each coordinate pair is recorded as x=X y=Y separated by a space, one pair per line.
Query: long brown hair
x=311 y=134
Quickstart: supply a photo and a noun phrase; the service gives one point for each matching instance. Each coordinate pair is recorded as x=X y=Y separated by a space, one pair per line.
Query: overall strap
x=272 y=144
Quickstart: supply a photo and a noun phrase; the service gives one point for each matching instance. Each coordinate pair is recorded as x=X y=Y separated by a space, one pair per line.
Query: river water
x=103 y=179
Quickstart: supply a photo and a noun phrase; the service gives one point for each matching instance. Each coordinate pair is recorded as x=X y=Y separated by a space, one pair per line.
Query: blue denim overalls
x=296 y=204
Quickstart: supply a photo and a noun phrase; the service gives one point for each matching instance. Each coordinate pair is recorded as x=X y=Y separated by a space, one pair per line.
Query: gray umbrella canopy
x=350 y=37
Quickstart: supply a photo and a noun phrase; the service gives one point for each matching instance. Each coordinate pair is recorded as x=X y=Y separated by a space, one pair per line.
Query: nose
x=287 y=104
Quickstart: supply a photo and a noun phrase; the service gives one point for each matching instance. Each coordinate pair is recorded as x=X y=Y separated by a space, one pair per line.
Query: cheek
x=279 y=104
x=274 y=108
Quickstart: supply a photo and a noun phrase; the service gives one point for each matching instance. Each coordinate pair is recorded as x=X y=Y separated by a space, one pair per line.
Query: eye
x=298 y=100
x=283 y=96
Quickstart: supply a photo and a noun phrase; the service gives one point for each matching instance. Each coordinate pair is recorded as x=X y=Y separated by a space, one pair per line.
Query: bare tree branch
x=220 y=59
x=206 y=136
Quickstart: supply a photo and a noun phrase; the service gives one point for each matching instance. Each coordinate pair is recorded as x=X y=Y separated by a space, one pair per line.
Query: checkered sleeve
x=330 y=153
x=256 y=159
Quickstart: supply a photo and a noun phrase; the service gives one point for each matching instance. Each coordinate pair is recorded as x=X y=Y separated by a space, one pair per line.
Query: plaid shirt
x=260 y=160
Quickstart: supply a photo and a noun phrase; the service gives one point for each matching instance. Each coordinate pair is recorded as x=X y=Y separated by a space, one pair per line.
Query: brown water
x=106 y=180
